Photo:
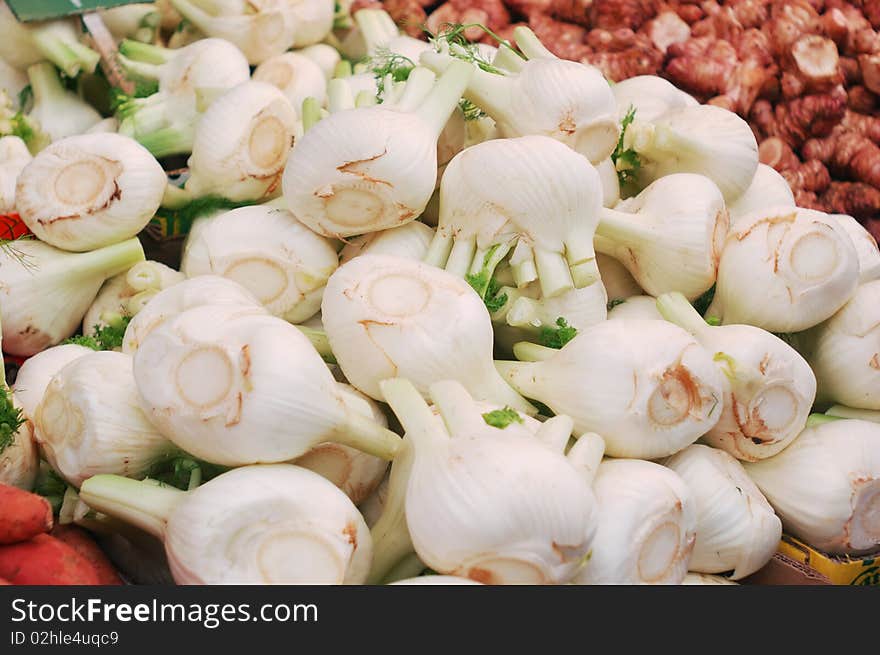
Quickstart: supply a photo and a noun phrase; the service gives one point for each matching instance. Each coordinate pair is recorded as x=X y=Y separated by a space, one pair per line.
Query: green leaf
x=501 y=418
x=385 y=63
x=180 y=471
x=11 y=419
x=110 y=336
x=460 y=47
x=614 y=302
x=494 y=300
x=626 y=161
x=486 y=285
x=558 y=336
x=470 y=110
x=702 y=303
x=83 y=340
x=197 y=208
x=50 y=486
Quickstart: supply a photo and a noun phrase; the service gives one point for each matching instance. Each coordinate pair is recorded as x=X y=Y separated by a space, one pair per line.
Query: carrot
x=82 y=543
x=22 y=514
x=44 y=560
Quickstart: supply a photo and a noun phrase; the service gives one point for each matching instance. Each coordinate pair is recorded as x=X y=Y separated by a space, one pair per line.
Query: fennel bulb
x=241 y=144
x=409 y=241
x=270 y=253
x=647 y=387
x=616 y=279
x=126 y=294
x=60 y=113
x=542 y=94
x=785 y=269
x=381 y=35
x=736 y=527
x=528 y=311
x=437 y=580
x=277 y=524
x=90 y=191
x=669 y=237
x=176 y=299
x=12 y=80
x=638 y=307
x=768 y=189
x=826 y=486
x=260 y=30
x=492 y=504
x=325 y=56
x=14 y=156
x=45 y=292
x=140 y=21
x=530 y=191
x=313 y=20
x=36 y=372
x=647 y=523
x=90 y=421
x=371 y=168
x=188 y=79
x=58 y=41
x=234 y=388
x=705 y=579
x=841 y=411
x=844 y=351
x=768 y=387
x=610 y=182
x=866 y=247
x=357 y=473
x=388 y=316
x=650 y=96
x=296 y=75
x=19 y=457
x=702 y=139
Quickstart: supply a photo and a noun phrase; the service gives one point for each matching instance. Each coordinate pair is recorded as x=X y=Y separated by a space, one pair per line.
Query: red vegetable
x=22 y=515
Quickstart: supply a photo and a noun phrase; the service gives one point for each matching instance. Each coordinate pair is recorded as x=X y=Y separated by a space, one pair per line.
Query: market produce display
x=483 y=292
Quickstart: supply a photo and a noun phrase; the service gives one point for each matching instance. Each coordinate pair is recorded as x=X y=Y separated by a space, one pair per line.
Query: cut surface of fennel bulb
x=371 y=168
x=89 y=191
x=90 y=421
x=826 y=486
x=278 y=259
x=785 y=269
x=670 y=236
x=648 y=387
x=388 y=316
x=737 y=529
x=45 y=292
x=565 y=100
x=496 y=505
x=296 y=75
x=530 y=194
x=270 y=524
x=234 y=388
x=647 y=523
x=844 y=351
x=768 y=387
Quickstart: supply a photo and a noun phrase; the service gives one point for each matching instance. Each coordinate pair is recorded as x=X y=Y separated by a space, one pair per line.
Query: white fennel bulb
x=45 y=292
x=409 y=241
x=381 y=35
x=647 y=524
x=188 y=79
x=493 y=504
x=14 y=156
x=313 y=20
x=486 y=209
x=270 y=253
x=234 y=388
x=110 y=124
x=325 y=56
x=618 y=282
x=706 y=579
x=785 y=269
x=702 y=139
x=277 y=524
x=768 y=189
x=650 y=96
x=638 y=307
x=844 y=351
x=388 y=316
x=610 y=182
x=371 y=168
x=669 y=237
x=437 y=580
x=19 y=456
x=12 y=79
x=296 y=75
x=241 y=144
x=24 y=44
x=647 y=387
x=139 y=21
x=528 y=310
x=90 y=421
x=737 y=529
x=357 y=473
x=60 y=112
x=565 y=100
x=126 y=294
x=176 y=299
x=260 y=30
x=768 y=387
x=866 y=247
x=89 y=191
x=841 y=411
x=36 y=372
x=826 y=486
x=372 y=507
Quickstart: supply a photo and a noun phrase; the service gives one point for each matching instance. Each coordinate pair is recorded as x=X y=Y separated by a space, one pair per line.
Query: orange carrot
x=82 y=543
x=22 y=514
x=44 y=560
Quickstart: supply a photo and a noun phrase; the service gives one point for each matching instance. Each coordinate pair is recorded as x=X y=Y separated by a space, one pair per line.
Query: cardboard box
x=797 y=563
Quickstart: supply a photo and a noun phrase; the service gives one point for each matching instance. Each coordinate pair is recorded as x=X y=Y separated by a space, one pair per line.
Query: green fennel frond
x=501 y=418
x=556 y=337
x=626 y=160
